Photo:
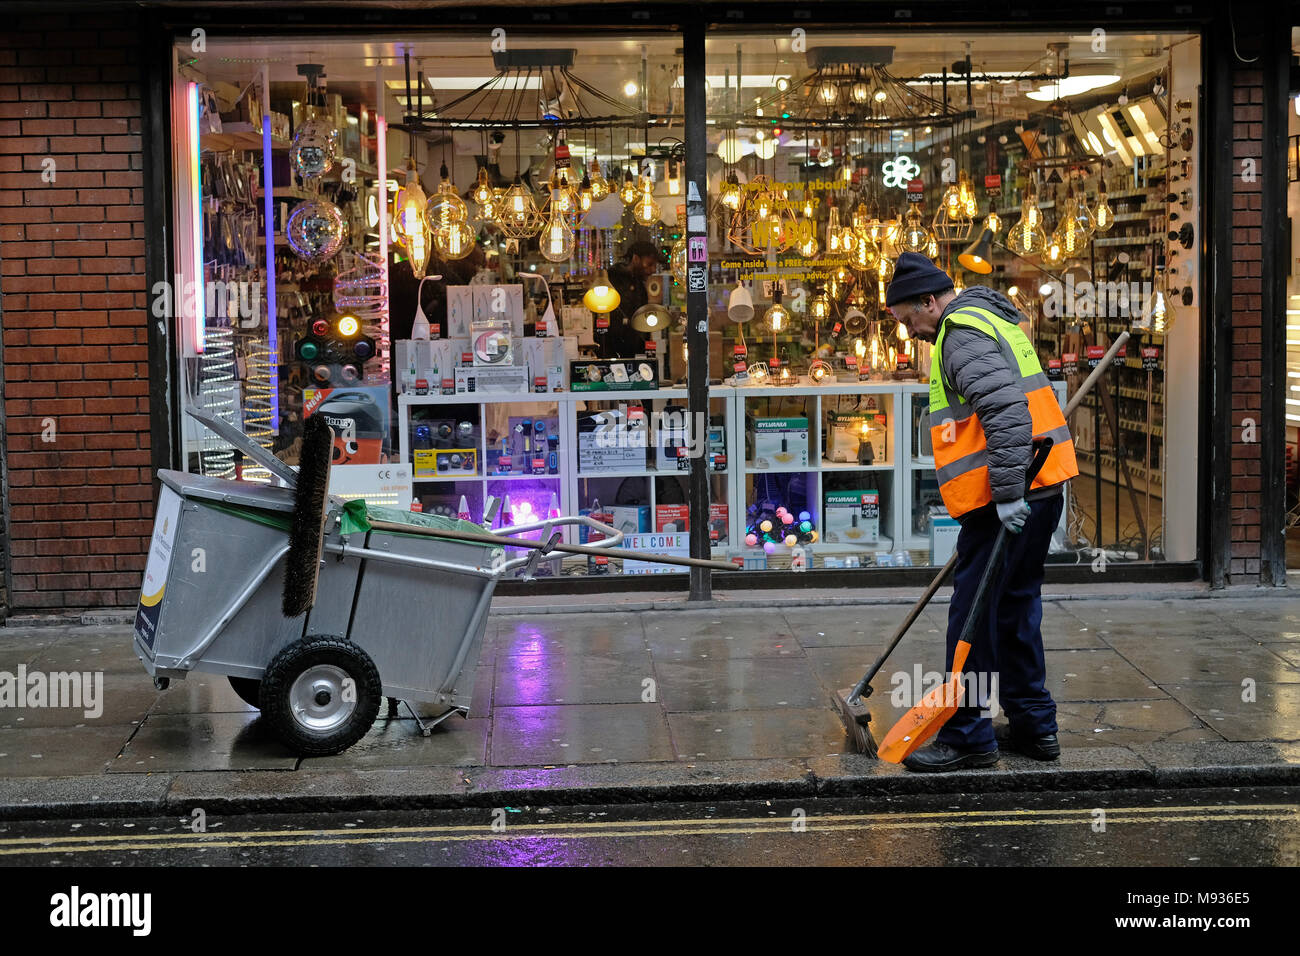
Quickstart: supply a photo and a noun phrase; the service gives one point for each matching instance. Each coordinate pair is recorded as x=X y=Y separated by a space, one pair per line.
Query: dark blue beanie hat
x=915 y=274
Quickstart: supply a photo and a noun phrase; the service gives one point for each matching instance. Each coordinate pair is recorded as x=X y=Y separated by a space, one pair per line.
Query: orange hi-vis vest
x=960 y=447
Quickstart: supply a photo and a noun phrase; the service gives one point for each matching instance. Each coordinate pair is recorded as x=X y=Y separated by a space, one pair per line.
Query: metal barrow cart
x=395 y=615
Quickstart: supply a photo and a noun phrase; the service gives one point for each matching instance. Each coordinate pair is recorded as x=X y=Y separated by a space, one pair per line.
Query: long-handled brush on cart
x=851 y=702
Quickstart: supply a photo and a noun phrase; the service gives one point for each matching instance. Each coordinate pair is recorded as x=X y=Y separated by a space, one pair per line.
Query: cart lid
x=250 y=448
x=248 y=494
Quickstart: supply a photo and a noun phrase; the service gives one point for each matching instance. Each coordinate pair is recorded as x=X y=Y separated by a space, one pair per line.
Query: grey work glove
x=1013 y=514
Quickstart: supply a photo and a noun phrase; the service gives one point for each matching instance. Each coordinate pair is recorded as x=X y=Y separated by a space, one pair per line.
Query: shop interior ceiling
x=454 y=65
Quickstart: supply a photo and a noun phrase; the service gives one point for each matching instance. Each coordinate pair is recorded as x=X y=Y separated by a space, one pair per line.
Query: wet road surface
x=1181 y=828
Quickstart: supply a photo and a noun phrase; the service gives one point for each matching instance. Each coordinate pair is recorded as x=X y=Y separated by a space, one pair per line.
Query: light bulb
x=557 y=240
x=482 y=187
x=646 y=210
x=674 y=179
x=599 y=184
x=627 y=192
x=454 y=240
x=860 y=92
x=827 y=92
x=993 y=222
x=1103 y=216
x=630 y=89
x=819 y=307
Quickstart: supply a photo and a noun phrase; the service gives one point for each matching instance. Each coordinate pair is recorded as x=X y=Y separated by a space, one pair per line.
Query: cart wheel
x=321 y=695
x=248 y=689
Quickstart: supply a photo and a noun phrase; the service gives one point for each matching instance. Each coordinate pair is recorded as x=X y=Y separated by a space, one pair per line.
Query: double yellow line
x=588 y=830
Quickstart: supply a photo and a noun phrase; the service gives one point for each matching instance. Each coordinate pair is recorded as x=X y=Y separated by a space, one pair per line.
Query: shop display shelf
x=922 y=464
x=851 y=466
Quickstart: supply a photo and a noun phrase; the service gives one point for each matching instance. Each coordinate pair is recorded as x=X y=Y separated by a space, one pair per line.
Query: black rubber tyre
x=304 y=695
x=248 y=689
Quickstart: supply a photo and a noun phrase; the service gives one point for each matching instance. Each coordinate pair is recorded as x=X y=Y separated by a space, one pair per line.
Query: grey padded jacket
x=974 y=367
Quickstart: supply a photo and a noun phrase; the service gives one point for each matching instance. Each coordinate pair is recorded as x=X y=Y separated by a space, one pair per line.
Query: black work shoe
x=938 y=757
x=1046 y=747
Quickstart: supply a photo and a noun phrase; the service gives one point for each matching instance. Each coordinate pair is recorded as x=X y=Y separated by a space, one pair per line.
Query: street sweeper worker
x=989 y=399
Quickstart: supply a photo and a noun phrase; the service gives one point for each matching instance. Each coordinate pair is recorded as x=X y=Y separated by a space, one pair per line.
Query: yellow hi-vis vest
x=960 y=447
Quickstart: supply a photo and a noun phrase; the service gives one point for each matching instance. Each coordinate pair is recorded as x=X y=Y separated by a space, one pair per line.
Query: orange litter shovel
x=924 y=720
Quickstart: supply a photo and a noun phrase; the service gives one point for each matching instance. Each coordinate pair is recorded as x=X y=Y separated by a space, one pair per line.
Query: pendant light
x=585 y=197
x=674 y=178
x=628 y=191
x=445 y=206
x=482 y=191
x=409 y=223
x=556 y=240
x=599 y=185
x=740 y=305
x=1026 y=237
x=677 y=260
x=978 y=256
x=1102 y=216
x=731 y=192
x=645 y=210
x=914 y=236
x=651 y=318
x=601 y=297
x=777 y=315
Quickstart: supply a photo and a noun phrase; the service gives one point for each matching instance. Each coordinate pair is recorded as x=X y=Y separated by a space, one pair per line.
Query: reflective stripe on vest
x=960 y=446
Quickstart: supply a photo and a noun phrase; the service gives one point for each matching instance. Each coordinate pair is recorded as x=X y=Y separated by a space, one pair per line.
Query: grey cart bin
x=400 y=616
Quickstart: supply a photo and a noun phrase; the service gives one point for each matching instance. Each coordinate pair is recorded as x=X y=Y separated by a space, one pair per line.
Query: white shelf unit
x=889 y=400
x=897 y=399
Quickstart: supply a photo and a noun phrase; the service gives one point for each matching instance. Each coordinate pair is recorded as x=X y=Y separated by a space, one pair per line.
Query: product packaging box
x=608 y=443
x=630 y=519
x=508 y=378
x=717 y=522
x=845 y=433
x=359 y=416
x=460 y=310
x=445 y=462
x=670 y=518
x=943 y=538
x=852 y=517
x=781 y=443
x=603 y=375
x=500 y=302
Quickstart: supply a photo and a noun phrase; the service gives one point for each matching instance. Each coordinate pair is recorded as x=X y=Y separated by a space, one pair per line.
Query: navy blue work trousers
x=1006 y=655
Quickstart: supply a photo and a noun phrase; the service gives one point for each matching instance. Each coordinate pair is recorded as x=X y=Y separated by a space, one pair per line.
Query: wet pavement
x=1234 y=827
x=647 y=704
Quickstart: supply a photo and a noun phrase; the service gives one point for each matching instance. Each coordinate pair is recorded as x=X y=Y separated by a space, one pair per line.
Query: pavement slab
x=739 y=684
x=589 y=733
x=173 y=742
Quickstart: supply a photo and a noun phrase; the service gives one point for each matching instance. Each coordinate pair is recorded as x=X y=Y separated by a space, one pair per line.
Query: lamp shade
x=601 y=297
x=740 y=307
x=651 y=318
x=978 y=256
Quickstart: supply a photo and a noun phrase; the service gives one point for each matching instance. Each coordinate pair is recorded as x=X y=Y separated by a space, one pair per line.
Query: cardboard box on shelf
x=460 y=309
x=781 y=443
x=852 y=517
x=943 y=537
x=607 y=444
x=503 y=302
x=512 y=379
x=845 y=433
x=670 y=518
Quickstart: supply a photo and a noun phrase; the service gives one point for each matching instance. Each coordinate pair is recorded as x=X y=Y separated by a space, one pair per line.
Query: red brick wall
x=1247 y=319
x=75 y=310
